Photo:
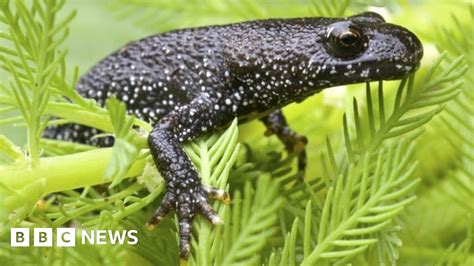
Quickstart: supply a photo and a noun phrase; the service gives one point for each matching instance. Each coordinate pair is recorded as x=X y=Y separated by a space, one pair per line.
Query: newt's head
x=364 y=48
x=297 y=57
x=294 y=58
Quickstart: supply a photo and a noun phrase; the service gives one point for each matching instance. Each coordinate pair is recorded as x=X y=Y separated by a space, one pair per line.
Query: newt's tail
x=78 y=133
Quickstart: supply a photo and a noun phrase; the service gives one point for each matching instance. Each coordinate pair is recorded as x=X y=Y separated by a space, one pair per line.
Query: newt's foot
x=294 y=142
x=187 y=204
x=298 y=145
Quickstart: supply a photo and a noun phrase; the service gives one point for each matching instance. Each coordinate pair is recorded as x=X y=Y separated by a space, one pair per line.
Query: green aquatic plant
x=380 y=193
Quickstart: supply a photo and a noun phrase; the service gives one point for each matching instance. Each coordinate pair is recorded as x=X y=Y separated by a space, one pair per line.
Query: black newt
x=190 y=82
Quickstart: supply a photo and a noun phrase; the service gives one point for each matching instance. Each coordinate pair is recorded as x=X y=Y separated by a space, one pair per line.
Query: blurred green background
x=101 y=27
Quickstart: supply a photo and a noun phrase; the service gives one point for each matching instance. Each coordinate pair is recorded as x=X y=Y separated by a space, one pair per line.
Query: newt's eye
x=349 y=38
x=345 y=40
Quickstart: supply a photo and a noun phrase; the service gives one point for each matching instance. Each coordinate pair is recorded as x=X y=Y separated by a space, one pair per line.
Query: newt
x=189 y=82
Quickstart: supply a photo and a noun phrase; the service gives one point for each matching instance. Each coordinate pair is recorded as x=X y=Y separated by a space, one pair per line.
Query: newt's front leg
x=294 y=142
x=184 y=191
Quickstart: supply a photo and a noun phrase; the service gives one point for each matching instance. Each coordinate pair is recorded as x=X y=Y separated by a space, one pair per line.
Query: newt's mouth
x=395 y=71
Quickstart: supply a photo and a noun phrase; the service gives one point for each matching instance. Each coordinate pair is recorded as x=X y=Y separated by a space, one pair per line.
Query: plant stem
x=64 y=172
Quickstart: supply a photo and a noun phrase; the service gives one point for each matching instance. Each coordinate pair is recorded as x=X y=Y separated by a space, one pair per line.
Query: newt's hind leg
x=184 y=192
x=294 y=142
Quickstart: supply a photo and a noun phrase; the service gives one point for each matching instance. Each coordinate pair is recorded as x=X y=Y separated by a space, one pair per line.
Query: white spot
x=237 y=96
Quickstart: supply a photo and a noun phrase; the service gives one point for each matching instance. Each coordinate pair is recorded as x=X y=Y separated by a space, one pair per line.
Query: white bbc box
x=20 y=237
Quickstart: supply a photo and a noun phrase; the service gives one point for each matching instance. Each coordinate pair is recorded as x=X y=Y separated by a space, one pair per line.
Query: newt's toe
x=215 y=193
x=188 y=202
x=150 y=226
x=302 y=162
x=165 y=207
x=184 y=237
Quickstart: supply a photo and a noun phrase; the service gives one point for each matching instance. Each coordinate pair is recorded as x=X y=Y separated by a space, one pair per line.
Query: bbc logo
x=43 y=237
x=66 y=237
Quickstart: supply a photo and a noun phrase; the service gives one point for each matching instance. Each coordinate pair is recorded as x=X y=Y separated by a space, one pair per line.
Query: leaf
x=30 y=54
x=432 y=93
x=125 y=149
x=10 y=149
x=350 y=218
x=239 y=239
x=462 y=253
x=386 y=250
x=448 y=189
x=250 y=222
